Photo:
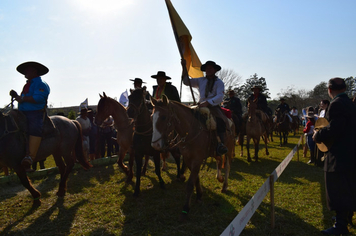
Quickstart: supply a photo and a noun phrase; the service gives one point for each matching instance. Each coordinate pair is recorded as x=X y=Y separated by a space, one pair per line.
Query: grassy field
x=99 y=202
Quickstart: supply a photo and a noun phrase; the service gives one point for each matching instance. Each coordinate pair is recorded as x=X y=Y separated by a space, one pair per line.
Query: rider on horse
x=211 y=91
x=32 y=102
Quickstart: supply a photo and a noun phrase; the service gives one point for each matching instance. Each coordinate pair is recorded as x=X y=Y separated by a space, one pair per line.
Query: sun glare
x=101 y=7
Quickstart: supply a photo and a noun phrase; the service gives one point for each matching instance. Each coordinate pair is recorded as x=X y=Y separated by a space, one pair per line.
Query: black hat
x=137 y=80
x=211 y=63
x=160 y=74
x=257 y=86
x=41 y=69
x=282 y=99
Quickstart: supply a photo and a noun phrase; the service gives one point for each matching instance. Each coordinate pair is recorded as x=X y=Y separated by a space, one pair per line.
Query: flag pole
x=180 y=51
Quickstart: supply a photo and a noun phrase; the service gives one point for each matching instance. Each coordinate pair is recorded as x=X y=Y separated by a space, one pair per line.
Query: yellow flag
x=183 y=39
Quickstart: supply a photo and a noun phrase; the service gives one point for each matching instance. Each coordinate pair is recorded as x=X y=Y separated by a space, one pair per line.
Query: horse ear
x=144 y=91
x=131 y=90
x=100 y=95
x=104 y=95
x=165 y=100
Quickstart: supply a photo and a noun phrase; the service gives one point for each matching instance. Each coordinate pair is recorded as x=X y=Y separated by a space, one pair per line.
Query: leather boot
x=33 y=145
x=340 y=226
x=221 y=148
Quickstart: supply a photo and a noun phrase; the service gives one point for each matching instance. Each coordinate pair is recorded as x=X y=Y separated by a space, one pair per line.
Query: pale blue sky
x=94 y=46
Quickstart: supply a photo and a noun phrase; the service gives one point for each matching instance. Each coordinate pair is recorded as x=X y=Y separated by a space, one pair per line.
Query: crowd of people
x=339 y=135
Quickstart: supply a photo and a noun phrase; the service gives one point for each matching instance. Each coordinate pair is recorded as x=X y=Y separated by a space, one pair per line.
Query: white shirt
x=322 y=113
x=294 y=112
x=215 y=97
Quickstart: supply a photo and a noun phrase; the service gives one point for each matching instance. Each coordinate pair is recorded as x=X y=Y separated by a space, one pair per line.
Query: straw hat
x=319 y=124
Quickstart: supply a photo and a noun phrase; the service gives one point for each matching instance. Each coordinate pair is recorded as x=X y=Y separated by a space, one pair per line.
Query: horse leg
x=192 y=180
x=164 y=156
x=144 y=168
x=219 y=160
x=36 y=195
x=241 y=142
x=176 y=155
x=64 y=170
x=248 y=149
x=257 y=143
x=138 y=160
x=157 y=161
x=131 y=164
x=228 y=160
x=120 y=161
x=280 y=139
x=267 y=153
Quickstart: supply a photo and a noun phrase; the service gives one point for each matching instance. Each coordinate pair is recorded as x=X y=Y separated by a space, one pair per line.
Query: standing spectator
x=309 y=130
x=340 y=162
x=324 y=105
x=105 y=137
x=86 y=127
x=93 y=134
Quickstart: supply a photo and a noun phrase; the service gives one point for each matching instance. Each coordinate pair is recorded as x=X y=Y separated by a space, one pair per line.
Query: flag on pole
x=183 y=39
x=124 y=99
x=83 y=105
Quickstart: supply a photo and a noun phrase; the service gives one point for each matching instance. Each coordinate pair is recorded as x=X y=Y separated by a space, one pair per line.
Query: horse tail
x=79 y=153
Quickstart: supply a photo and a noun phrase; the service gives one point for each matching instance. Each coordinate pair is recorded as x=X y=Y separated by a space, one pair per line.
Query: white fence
x=240 y=221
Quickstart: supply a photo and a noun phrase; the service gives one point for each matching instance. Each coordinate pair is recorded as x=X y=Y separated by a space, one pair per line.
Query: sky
x=96 y=46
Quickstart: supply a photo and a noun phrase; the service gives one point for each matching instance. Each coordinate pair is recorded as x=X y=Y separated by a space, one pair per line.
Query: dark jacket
x=261 y=102
x=170 y=91
x=234 y=104
x=283 y=107
x=340 y=135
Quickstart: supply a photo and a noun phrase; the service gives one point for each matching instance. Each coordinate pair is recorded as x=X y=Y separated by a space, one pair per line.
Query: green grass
x=99 y=202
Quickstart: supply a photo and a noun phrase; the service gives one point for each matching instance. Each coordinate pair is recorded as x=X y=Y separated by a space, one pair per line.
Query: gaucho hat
x=257 y=87
x=160 y=74
x=41 y=69
x=137 y=80
x=211 y=63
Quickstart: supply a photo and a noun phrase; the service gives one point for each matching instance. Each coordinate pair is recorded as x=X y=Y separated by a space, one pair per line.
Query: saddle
x=209 y=118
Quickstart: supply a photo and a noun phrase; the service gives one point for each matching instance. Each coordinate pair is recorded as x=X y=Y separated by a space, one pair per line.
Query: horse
x=138 y=110
x=255 y=129
x=65 y=141
x=282 y=126
x=295 y=124
x=124 y=127
x=195 y=141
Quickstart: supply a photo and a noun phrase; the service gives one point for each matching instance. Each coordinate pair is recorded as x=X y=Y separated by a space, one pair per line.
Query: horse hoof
x=36 y=203
x=181 y=178
x=183 y=217
x=60 y=194
x=162 y=185
x=249 y=159
x=223 y=190
x=221 y=179
x=267 y=153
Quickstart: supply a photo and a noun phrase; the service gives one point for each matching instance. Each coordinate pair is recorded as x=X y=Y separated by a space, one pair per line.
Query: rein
x=138 y=110
x=6 y=132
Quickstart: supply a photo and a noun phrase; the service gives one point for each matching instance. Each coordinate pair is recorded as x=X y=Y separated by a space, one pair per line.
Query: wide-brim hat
x=88 y=110
x=160 y=74
x=257 y=87
x=137 y=80
x=41 y=69
x=319 y=124
x=211 y=63
x=282 y=99
x=231 y=92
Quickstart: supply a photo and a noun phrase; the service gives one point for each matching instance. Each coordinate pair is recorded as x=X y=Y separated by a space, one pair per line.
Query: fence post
x=271 y=190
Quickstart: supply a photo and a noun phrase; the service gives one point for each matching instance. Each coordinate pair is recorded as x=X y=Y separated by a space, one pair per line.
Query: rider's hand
x=13 y=94
x=203 y=104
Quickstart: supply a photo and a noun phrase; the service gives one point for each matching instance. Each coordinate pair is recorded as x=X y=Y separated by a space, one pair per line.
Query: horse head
x=107 y=106
x=137 y=102
x=162 y=122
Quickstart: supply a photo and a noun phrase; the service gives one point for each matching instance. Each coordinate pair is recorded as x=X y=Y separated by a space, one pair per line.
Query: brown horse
x=195 y=141
x=295 y=124
x=124 y=126
x=255 y=129
x=65 y=143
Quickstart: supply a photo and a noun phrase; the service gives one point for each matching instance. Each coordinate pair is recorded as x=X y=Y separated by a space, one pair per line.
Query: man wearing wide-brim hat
x=32 y=102
x=211 y=91
x=260 y=99
x=164 y=87
x=137 y=82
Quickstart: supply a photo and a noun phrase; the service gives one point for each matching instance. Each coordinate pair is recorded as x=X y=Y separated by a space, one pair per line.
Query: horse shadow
x=57 y=216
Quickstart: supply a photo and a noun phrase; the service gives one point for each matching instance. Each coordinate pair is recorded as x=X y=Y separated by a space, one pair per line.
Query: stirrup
x=221 y=149
x=27 y=160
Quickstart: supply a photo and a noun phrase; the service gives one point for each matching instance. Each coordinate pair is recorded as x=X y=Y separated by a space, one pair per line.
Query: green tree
x=252 y=81
x=72 y=115
x=350 y=86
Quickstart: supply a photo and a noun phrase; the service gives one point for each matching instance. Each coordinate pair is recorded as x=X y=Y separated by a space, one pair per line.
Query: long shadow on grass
x=57 y=219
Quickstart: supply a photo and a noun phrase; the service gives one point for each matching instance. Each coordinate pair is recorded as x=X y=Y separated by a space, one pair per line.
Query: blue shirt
x=39 y=90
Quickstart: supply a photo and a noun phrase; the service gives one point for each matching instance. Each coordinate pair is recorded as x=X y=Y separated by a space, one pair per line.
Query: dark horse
x=64 y=142
x=138 y=110
x=282 y=126
x=195 y=141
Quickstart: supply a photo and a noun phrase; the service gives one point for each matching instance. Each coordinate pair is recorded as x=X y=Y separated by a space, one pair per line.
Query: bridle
x=137 y=111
